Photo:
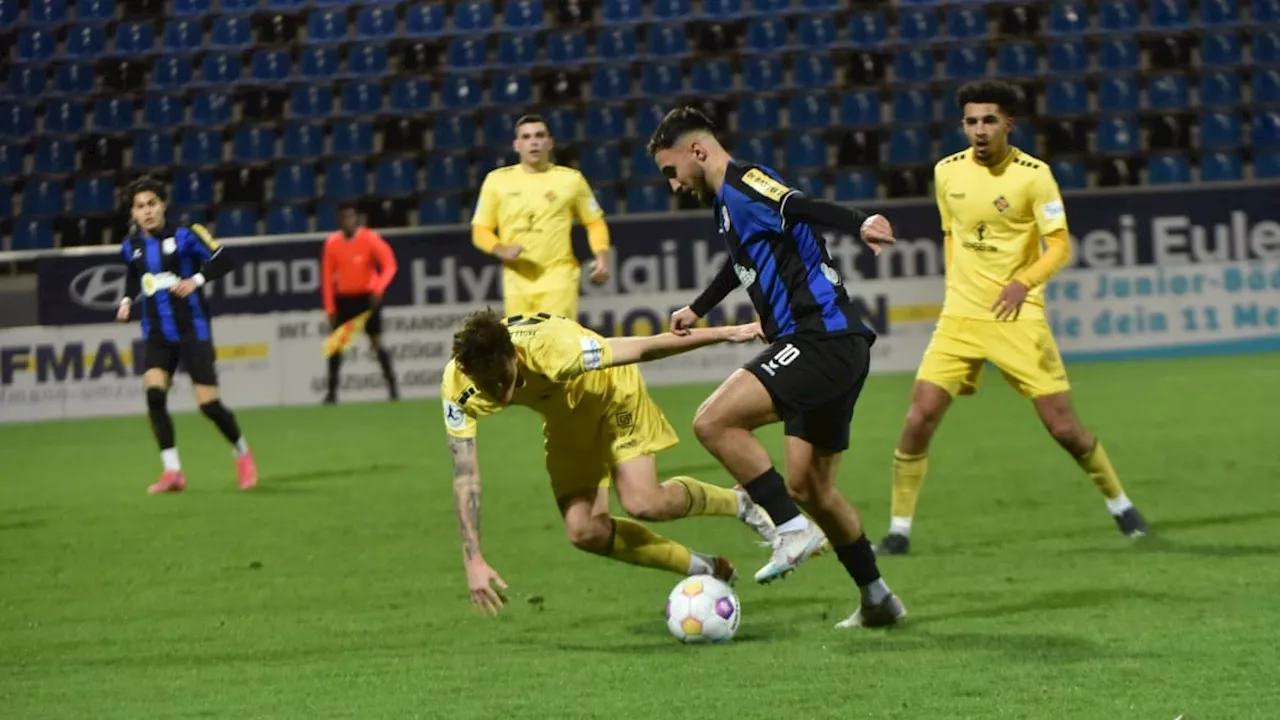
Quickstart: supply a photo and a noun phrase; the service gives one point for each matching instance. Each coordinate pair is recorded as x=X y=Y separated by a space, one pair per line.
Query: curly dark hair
x=995 y=92
x=482 y=346
x=144 y=184
x=675 y=125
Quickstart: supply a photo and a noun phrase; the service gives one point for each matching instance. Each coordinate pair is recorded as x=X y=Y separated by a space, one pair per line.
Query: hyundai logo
x=99 y=287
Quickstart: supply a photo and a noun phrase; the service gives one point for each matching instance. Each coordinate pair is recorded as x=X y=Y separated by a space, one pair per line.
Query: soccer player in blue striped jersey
x=811 y=375
x=167 y=265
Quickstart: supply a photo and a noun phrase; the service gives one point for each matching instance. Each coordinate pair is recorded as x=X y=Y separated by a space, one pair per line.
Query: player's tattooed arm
x=466 y=494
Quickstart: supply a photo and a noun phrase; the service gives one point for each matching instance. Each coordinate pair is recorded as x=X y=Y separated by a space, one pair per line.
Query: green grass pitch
x=335 y=590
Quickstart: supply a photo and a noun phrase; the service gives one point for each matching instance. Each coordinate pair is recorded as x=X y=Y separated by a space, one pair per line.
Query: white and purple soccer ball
x=703 y=609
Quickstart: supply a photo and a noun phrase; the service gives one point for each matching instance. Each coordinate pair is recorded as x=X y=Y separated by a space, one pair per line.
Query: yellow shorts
x=581 y=456
x=1024 y=351
x=562 y=301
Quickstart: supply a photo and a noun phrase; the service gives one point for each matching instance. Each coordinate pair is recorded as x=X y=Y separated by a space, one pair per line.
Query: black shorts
x=815 y=383
x=192 y=354
x=347 y=307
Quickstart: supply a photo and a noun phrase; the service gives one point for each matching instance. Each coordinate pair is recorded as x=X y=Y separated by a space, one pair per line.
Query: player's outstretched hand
x=184 y=287
x=745 y=333
x=876 y=231
x=683 y=320
x=1009 y=304
x=481 y=580
x=508 y=252
x=122 y=314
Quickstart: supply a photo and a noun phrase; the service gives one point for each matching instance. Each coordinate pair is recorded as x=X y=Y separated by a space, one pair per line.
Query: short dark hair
x=141 y=185
x=529 y=119
x=482 y=346
x=678 y=123
x=995 y=92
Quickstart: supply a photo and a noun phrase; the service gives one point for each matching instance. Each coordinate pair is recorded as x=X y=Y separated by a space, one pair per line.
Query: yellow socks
x=706 y=499
x=636 y=544
x=908 y=476
x=1098 y=466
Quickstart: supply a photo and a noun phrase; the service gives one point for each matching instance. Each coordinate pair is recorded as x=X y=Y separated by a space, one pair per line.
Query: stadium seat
x=769 y=8
x=601 y=163
x=966 y=24
x=1018 y=59
x=671 y=10
x=474 y=17
x=766 y=35
x=642 y=166
x=914 y=66
x=134 y=39
x=1221 y=167
x=367 y=61
x=566 y=47
x=1266 y=48
x=859 y=148
x=647 y=198
x=410 y=96
x=32 y=234
x=953 y=141
x=1119 y=16
x=446 y=172
x=1169 y=169
x=860 y=109
x=236 y=222
x=303 y=140
x=461 y=93
x=76 y=79
x=171 y=73
x=47 y=13
x=271 y=67
x=1118 y=135
x=917 y=26
x=722 y=9
x=1266 y=165
x=804 y=112
x=667 y=42
x=817 y=32
x=254 y=144
x=712 y=77
x=1266 y=130
x=286 y=220
x=605 y=123
x=616 y=44
x=1068 y=58
x=55 y=157
x=95 y=11
x=1121 y=55
x=760 y=114
x=1265 y=12
x=1167 y=92
x=425 y=21
x=648 y=116
x=192 y=188
x=522 y=15
x=1266 y=86
x=966 y=63
x=1068 y=17
x=1217 y=13
x=231 y=33
x=326 y=27
x=85 y=42
x=9 y=14
x=201 y=147
x=345 y=180
x=191 y=8
x=1023 y=137
x=242 y=7
x=456 y=132
x=64 y=117
x=611 y=83
x=561 y=122
x=352 y=138
x=6 y=204
x=1067 y=97
x=102 y=153
x=814 y=71
x=1221 y=49
x=1221 y=89
x=466 y=54
x=213 y=109
x=362 y=98
x=517 y=51
x=376 y=23
x=1118 y=94
x=662 y=80
x=182 y=36
x=294 y=181
x=856 y=185
x=440 y=210
x=11 y=160
x=1170 y=14
x=396 y=177
x=762 y=74
x=36 y=46
x=805 y=152
x=219 y=69
x=868 y=30
x=1220 y=130
x=912 y=107
x=27 y=82
x=164 y=111
x=759 y=149
x=812 y=185
x=1070 y=174
x=513 y=89
x=622 y=12
x=909 y=146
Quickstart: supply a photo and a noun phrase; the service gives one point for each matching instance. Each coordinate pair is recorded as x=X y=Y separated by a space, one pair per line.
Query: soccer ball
x=703 y=609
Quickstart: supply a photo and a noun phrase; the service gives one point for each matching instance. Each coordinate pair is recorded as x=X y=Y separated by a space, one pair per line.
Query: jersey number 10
x=782 y=358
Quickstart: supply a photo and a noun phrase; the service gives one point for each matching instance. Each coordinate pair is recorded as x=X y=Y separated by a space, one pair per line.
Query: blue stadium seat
x=440 y=210
x=512 y=89
x=1266 y=165
x=191 y=8
x=649 y=115
x=806 y=112
x=860 y=109
x=425 y=22
x=622 y=12
x=135 y=39
x=1119 y=16
x=966 y=24
x=254 y=144
x=1022 y=136
x=722 y=9
x=523 y=15
x=868 y=30
x=713 y=76
x=352 y=138
x=457 y=132
x=562 y=123
x=909 y=146
x=9 y=12
x=1265 y=12
x=85 y=42
x=11 y=160
x=272 y=67
x=164 y=111
x=396 y=177
x=1221 y=89
x=446 y=172
x=75 y=78
x=1119 y=55
x=410 y=96
x=1068 y=58
x=236 y=222
x=1266 y=130
x=817 y=32
x=642 y=166
x=183 y=36
x=201 y=147
x=192 y=188
x=1217 y=13
x=498 y=127
x=27 y=82
x=856 y=185
x=1168 y=92
x=219 y=69
x=212 y=109
x=1221 y=49
x=760 y=114
x=1221 y=167
x=231 y=33
x=566 y=47
x=1118 y=135
x=171 y=73
x=47 y=13
x=1070 y=174
x=64 y=117
x=812 y=185
x=1266 y=86
x=367 y=60
x=1067 y=97
x=607 y=198
x=759 y=149
x=766 y=35
x=762 y=74
x=1170 y=14
x=1118 y=94
x=647 y=198
x=326 y=27
x=459 y=93
x=671 y=10
x=1220 y=130
x=345 y=179
x=1068 y=17
x=1169 y=169
x=616 y=44
x=1018 y=59
x=769 y=8
x=325 y=215
x=303 y=140
x=667 y=41
x=286 y=220
x=466 y=54
x=805 y=151
x=912 y=107
x=318 y=63
x=953 y=141
x=241 y=7
x=376 y=23
x=95 y=11
x=32 y=234
x=1266 y=48
x=605 y=123
x=362 y=98
x=517 y=51
x=601 y=163
x=475 y=16
x=814 y=71
x=917 y=26
x=611 y=83
x=55 y=157
x=662 y=79
x=915 y=66
x=294 y=181
x=966 y=63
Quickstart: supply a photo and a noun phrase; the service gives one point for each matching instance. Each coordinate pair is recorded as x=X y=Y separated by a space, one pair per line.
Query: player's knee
x=156 y=399
x=592 y=537
x=214 y=409
x=706 y=427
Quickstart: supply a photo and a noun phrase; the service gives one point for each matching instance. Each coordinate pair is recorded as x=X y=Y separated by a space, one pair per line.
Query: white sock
x=743 y=499
x=1118 y=504
x=700 y=564
x=900 y=526
x=170 y=459
x=875 y=593
x=795 y=524
x=242 y=447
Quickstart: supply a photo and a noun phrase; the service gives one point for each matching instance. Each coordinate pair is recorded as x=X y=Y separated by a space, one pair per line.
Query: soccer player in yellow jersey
x=996 y=203
x=524 y=216
x=599 y=424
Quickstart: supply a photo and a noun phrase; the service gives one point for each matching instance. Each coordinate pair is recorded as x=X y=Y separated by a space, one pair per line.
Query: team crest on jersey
x=550 y=196
x=1001 y=204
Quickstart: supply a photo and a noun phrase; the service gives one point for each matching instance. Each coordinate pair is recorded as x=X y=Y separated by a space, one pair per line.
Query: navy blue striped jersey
x=156 y=263
x=783 y=264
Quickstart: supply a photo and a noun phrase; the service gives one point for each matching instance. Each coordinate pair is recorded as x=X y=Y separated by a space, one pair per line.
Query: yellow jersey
x=555 y=358
x=536 y=211
x=995 y=218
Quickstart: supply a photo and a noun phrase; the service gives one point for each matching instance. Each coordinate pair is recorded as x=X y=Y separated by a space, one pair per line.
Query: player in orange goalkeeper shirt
x=996 y=203
x=523 y=217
